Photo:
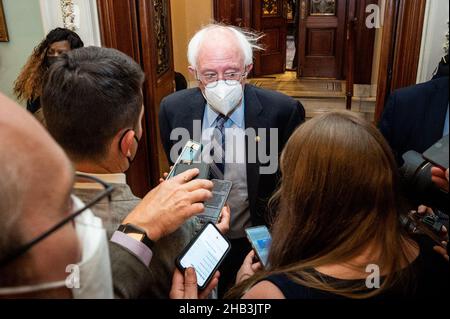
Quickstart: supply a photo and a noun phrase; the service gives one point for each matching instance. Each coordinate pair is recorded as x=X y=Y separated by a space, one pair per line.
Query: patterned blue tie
x=218 y=140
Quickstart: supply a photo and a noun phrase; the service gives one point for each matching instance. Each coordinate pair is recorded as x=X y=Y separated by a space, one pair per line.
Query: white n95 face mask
x=95 y=266
x=89 y=279
x=224 y=98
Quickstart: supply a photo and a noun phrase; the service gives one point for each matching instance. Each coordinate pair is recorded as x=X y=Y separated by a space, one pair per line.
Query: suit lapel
x=253 y=119
x=253 y=108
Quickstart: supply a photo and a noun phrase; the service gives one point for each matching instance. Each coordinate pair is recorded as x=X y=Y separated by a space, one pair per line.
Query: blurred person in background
x=28 y=85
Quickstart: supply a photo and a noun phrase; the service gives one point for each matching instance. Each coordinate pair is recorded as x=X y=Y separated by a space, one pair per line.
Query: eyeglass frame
x=24 y=248
x=213 y=84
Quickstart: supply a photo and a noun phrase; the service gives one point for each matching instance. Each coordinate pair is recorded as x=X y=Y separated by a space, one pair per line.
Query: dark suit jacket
x=263 y=109
x=414 y=117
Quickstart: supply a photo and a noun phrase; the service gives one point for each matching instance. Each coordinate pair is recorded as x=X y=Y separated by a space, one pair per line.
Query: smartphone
x=438 y=153
x=189 y=154
x=205 y=253
x=260 y=239
x=213 y=206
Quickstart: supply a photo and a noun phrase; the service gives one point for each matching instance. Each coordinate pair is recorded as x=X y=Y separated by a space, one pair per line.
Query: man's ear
x=127 y=142
x=192 y=71
x=249 y=68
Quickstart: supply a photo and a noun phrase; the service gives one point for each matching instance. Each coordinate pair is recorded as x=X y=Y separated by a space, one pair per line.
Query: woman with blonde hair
x=29 y=83
x=337 y=230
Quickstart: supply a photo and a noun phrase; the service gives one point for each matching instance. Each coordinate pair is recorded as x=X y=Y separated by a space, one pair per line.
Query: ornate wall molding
x=68 y=14
x=161 y=35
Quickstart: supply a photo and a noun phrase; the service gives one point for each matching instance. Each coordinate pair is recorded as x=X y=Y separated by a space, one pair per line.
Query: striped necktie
x=218 y=149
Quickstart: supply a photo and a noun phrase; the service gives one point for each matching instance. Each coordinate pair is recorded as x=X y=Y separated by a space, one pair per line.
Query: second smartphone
x=260 y=239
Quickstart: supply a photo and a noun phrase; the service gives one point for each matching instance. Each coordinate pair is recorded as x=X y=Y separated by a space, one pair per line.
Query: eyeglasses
x=104 y=192
x=211 y=79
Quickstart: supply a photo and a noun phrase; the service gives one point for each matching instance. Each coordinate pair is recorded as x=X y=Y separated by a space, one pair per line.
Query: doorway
x=322 y=38
x=307 y=36
x=320 y=27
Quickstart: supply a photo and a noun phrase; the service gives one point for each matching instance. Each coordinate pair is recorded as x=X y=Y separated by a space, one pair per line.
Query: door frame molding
x=400 y=49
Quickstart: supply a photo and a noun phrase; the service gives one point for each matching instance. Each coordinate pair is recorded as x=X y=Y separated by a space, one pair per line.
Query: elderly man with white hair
x=242 y=128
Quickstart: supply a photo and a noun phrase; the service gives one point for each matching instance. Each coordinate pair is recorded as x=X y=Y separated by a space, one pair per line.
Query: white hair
x=248 y=41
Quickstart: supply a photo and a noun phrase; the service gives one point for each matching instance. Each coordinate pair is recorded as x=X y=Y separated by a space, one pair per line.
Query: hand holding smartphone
x=204 y=253
x=191 y=152
x=260 y=239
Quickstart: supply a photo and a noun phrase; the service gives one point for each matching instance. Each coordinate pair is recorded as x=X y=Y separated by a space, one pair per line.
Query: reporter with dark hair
x=28 y=85
x=93 y=105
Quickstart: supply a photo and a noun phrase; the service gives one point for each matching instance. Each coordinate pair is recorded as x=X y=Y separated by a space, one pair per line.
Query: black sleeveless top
x=429 y=278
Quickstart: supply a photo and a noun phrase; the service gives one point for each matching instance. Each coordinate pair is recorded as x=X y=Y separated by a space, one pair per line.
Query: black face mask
x=50 y=60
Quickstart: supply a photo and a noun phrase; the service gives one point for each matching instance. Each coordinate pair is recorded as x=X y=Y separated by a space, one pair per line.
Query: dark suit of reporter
x=337 y=167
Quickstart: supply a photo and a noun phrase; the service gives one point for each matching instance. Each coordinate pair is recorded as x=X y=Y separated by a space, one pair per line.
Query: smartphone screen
x=190 y=153
x=205 y=253
x=213 y=206
x=260 y=239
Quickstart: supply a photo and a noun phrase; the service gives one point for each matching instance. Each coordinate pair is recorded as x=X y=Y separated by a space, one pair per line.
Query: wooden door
x=142 y=29
x=269 y=17
x=321 y=38
x=157 y=62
